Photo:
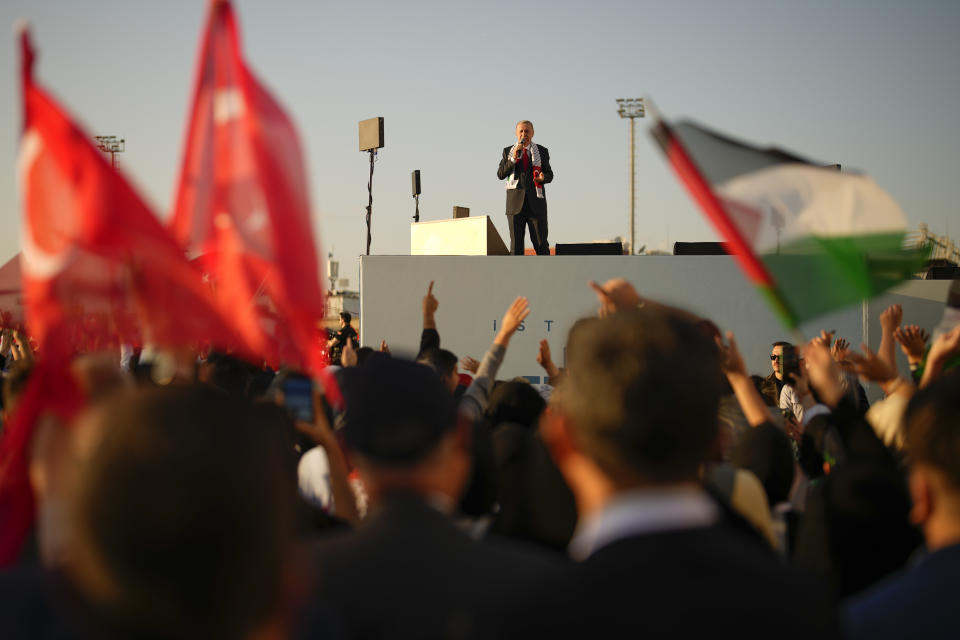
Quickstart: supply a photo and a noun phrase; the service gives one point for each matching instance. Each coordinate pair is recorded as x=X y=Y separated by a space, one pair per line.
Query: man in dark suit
x=526 y=167
x=659 y=555
x=921 y=602
x=408 y=571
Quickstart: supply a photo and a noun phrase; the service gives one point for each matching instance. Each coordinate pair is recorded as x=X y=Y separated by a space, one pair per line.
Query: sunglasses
x=775 y=357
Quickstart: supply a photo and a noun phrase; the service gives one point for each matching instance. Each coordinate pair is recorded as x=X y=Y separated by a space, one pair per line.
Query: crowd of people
x=655 y=487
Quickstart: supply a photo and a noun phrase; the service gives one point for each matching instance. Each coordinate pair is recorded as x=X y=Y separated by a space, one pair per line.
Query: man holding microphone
x=526 y=167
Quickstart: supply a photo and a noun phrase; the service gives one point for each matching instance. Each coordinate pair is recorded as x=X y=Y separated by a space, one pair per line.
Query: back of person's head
x=767 y=390
x=440 y=360
x=765 y=450
x=932 y=425
x=397 y=411
x=346 y=317
x=181 y=516
x=515 y=402
x=228 y=373
x=642 y=391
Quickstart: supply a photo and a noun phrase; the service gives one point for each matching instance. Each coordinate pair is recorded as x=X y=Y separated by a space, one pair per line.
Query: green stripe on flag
x=815 y=275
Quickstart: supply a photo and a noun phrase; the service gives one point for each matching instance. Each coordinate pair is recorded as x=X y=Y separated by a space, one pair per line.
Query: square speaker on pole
x=371 y=134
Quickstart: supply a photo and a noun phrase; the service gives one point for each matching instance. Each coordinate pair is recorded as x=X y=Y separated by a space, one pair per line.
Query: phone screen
x=298 y=398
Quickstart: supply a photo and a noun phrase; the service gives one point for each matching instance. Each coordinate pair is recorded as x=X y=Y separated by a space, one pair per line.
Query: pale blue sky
x=872 y=84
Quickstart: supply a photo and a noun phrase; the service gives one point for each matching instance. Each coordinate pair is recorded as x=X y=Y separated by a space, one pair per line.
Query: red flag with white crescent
x=242 y=203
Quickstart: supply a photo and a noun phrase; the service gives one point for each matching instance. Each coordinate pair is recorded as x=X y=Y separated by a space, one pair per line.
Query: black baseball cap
x=396 y=410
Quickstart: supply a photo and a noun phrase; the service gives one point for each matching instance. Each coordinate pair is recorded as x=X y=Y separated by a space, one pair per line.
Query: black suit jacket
x=525 y=185
x=705 y=582
x=408 y=572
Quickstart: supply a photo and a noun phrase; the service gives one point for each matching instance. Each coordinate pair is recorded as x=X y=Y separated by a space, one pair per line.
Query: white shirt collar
x=641 y=511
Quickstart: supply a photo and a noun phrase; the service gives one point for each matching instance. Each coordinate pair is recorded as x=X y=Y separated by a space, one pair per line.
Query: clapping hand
x=913 y=342
x=870 y=367
x=891 y=318
x=840 y=350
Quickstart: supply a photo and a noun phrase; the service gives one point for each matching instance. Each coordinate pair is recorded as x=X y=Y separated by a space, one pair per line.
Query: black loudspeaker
x=590 y=249
x=415 y=181
x=371 y=134
x=699 y=249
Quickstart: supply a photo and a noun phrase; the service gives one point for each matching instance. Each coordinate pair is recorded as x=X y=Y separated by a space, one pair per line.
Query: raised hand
x=840 y=350
x=430 y=305
x=6 y=341
x=827 y=337
x=545 y=360
x=891 y=318
x=348 y=357
x=384 y=347
x=616 y=295
x=821 y=372
x=518 y=310
x=870 y=367
x=730 y=359
x=913 y=342
x=469 y=364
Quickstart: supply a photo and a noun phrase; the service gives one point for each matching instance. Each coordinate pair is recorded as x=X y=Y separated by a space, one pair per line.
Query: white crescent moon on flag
x=36 y=262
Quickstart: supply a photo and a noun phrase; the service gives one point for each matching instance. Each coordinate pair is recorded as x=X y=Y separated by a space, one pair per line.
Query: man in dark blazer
x=659 y=556
x=409 y=571
x=526 y=168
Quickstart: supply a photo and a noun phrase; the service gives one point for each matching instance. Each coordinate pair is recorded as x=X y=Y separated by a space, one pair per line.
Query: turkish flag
x=98 y=270
x=242 y=204
x=95 y=259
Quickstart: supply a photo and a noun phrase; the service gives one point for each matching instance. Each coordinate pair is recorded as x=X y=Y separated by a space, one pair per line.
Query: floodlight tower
x=631 y=108
x=112 y=145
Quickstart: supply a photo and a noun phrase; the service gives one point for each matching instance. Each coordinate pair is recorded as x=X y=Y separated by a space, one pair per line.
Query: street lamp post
x=113 y=146
x=631 y=108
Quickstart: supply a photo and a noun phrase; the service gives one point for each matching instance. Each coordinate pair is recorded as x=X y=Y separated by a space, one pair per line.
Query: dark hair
x=932 y=432
x=767 y=389
x=346 y=317
x=229 y=373
x=642 y=391
x=440 y=360
x=766 y=451
x=397 y=411
x=182 y=515
x=781 y=343
x=515 y=402
x=363 y=353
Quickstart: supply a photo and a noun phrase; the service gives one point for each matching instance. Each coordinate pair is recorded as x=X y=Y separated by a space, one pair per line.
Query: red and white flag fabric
x=98 y=269
x=96 y=262
x=242 y=205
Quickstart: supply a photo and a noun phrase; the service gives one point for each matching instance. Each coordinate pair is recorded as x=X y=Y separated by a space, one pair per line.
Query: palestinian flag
x=811 y=238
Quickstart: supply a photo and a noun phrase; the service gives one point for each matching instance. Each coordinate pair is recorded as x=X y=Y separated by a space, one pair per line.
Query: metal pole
x=633 y=237
x=373 y=153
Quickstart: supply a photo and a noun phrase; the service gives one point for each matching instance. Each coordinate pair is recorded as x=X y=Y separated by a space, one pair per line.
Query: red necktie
x=526 y=160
